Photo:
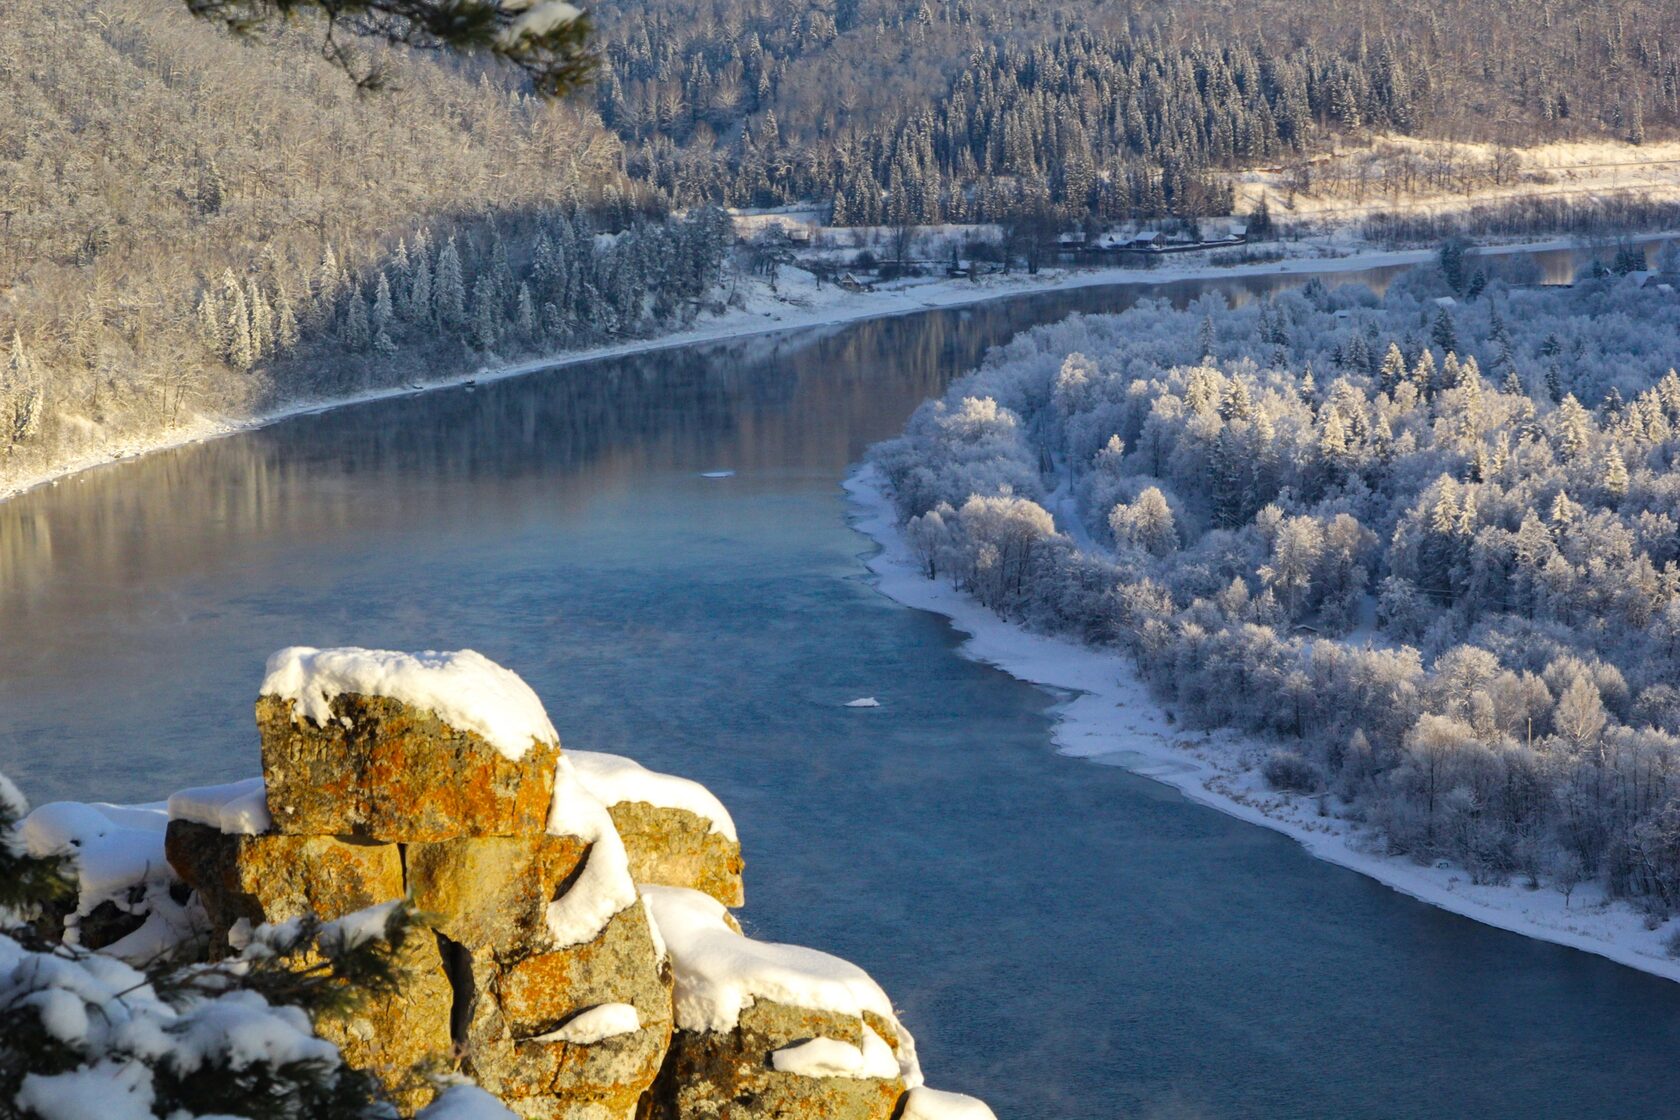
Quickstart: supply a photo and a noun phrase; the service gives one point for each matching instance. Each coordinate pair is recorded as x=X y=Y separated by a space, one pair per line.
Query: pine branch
x=548 y=39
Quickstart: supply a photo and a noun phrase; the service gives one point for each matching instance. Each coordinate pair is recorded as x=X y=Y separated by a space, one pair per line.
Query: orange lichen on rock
x=382 y=770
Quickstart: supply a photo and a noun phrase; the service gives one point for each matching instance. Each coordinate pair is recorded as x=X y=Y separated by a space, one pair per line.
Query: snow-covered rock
x=464 y=689
x=237 y=807
x=675 y=832
x=582 y=962
x=604 y=888
x=271 y=878
x=391 y=746
x=578 y=1031
x=768 y=1030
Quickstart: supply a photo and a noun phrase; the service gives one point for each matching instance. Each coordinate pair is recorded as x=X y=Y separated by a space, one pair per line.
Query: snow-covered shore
x=797 y=304
x=1113 y=720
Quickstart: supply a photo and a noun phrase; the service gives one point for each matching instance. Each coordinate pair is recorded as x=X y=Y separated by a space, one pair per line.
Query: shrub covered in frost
x=1288 y=771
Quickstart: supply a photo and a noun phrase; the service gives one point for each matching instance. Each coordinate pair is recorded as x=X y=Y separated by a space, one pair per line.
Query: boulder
x=381 y=769
x=521 y=1041
x=272 y=877
x=676 y=848
x=735 y=1074
x=770 y=1031
x=492 y=892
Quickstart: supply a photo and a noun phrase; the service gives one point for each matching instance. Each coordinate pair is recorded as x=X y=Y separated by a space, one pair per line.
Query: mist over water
x=1067 y=940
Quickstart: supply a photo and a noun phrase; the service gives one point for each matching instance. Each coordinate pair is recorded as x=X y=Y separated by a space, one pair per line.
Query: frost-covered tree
x=21 y=396
x=450 y=295
x=1516 y=557
x=1146 y=523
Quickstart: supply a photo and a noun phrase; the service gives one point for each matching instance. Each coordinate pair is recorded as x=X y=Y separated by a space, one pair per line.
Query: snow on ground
x=1113 y=720
x=614 y=780
x=718 y=972
x=604 y=887
x=799 y=303
x=466 y=690
x=1346 y=186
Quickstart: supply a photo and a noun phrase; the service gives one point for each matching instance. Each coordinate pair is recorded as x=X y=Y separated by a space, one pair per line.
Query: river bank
x=1111 y=719
x=796 y=302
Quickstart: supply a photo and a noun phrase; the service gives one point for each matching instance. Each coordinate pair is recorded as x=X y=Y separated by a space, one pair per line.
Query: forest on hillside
x=195 y=224
x=974 y=110
x=1424 y=544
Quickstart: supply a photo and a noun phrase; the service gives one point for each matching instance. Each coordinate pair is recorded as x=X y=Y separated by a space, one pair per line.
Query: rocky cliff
x=581 y=961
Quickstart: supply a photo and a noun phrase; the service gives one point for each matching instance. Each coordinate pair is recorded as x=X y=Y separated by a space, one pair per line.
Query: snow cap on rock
x=464 y=689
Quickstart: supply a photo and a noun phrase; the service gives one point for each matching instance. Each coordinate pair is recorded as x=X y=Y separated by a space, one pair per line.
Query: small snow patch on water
x=863 y=702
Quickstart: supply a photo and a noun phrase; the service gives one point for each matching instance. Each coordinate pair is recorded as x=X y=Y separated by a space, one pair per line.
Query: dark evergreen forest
x=918 y=111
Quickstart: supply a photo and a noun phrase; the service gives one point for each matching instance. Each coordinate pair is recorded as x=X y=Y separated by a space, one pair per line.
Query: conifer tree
x=241 y=353
x=486 y=322
x=526 y=321
x=262 y=321
x=418 y=307
x=451 y=292
x=1615 y=474
x=1393 y=368
x=285 y=320
x=383 y=312
x=356 y=332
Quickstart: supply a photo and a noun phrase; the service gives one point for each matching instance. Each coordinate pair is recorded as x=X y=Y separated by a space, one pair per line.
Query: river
x=1069 y=941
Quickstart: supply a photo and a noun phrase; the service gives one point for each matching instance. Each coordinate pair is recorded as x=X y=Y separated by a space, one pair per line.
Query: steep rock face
x=383 y=770
x=676 y=848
